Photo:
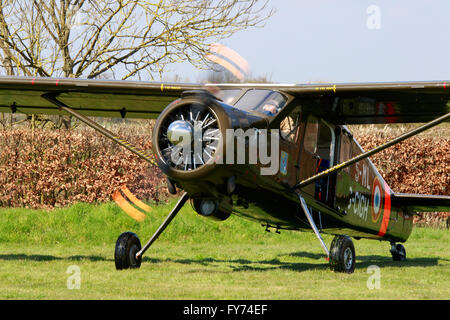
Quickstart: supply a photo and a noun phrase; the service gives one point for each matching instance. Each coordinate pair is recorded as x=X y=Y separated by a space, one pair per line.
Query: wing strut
x=62 y=106
x=311 y=222
x=369 y=153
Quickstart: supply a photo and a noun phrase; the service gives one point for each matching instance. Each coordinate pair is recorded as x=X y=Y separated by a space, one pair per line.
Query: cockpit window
x=228 y=95
x=265 y=101
x=290 y=124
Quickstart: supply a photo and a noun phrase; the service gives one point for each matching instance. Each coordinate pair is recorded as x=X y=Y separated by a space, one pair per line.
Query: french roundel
x=377 y=200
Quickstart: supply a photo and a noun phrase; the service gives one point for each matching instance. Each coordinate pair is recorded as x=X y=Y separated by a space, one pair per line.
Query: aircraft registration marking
x=358 y=204
x=362 y=174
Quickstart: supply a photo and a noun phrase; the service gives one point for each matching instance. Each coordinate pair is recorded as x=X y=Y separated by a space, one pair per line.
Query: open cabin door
x=317 y=149
x=290 y=136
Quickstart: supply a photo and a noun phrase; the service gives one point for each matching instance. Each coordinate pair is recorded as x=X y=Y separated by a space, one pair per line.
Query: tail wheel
x=127 y=246
x=342 y=254
x=398 y=252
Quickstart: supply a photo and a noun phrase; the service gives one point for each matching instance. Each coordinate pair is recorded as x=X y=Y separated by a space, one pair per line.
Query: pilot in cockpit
x=271 y=107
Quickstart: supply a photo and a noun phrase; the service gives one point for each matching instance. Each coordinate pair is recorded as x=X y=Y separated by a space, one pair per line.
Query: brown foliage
x=57 y=168
x=417 y=165
x=47 y=169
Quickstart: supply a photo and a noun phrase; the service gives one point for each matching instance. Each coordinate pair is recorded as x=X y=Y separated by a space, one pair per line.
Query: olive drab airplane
x=317 y=178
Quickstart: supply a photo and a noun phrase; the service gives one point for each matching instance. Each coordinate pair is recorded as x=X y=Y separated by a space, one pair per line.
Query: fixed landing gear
x=127 y=246
x=128 y=253
x=398 y=252
x=342 y=254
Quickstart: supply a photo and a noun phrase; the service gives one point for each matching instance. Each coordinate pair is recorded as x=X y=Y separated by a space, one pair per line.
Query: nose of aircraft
x=187 y=135
x=180 y=133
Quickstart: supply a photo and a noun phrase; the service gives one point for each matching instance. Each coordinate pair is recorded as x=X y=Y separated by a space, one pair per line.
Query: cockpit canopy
x=264 y=101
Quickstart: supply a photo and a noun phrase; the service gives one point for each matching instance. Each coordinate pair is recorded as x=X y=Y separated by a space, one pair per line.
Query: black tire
x=399 y=254
x=127 y=246
x=342 y=254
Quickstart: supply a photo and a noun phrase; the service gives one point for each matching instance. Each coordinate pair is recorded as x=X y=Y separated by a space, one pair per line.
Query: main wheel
x=342 y=254
x=127 y=246
x=398 y=252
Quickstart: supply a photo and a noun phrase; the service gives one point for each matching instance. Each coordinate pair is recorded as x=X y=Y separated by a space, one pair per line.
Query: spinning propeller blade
x=127 y=206
x=229 y=59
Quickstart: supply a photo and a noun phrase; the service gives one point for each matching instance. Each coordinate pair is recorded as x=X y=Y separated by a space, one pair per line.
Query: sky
x=346 y=41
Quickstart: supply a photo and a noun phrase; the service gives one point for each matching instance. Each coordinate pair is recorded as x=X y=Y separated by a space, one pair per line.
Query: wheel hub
x=348 y=258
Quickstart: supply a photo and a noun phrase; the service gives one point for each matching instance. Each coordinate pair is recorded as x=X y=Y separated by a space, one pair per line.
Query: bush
x=46 y=169
x=416 y=165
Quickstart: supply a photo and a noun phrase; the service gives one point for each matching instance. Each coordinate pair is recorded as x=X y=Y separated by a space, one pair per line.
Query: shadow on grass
x=237 y=265
x=386 y=261
x=365 y=261
x=44 y=258
x=362 y=262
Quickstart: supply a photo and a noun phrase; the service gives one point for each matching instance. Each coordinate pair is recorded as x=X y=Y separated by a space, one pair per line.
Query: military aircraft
x=324 y=182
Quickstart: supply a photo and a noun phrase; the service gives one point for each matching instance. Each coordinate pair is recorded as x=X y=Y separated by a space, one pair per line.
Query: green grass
x=201 y=259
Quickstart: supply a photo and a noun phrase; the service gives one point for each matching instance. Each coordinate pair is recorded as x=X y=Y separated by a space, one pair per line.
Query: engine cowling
x=187 y=138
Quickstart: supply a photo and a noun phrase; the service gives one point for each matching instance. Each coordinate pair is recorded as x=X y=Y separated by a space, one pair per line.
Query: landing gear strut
x=128 y=253
x=342 y=253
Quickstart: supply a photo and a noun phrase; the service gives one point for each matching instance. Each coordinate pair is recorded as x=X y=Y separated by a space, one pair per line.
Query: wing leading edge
x=89 y=97
x=364 y=103
x=357 y=103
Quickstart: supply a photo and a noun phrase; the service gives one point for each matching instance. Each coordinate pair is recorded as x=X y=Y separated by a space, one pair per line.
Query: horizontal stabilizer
x=422 y=202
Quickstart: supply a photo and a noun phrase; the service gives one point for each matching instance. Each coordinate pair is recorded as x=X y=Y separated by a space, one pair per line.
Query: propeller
x=179 y=129
x=229 y=59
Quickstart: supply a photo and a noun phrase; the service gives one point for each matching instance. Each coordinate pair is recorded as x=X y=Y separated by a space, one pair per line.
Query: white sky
x=329 y=40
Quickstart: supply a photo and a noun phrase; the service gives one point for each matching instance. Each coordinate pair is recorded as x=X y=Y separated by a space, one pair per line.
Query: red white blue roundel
x=377 y=199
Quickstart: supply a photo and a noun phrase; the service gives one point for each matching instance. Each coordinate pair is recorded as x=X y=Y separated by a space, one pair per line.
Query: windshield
x=265 y=101
x=228 y=95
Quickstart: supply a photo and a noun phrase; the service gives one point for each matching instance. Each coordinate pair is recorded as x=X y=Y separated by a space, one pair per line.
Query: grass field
x=42 y=254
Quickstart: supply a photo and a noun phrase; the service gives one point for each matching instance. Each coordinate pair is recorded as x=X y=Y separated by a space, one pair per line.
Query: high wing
x=356 y=103
x=364 y=103
x=385 y=102
x=131 y=99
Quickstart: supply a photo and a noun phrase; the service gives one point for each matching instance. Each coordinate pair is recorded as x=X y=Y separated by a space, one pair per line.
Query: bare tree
x=116 y=38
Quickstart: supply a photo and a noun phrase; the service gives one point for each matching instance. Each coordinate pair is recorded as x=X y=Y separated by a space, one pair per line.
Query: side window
x=311 y=131
x=289 y=125
x=228 y=95
x=346 y=149
x=325 y=145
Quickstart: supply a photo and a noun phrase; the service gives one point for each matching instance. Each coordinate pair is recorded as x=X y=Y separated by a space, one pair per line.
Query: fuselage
x=355 y=201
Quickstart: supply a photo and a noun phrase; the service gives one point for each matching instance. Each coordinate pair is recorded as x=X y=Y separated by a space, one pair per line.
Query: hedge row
x=46 y=169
